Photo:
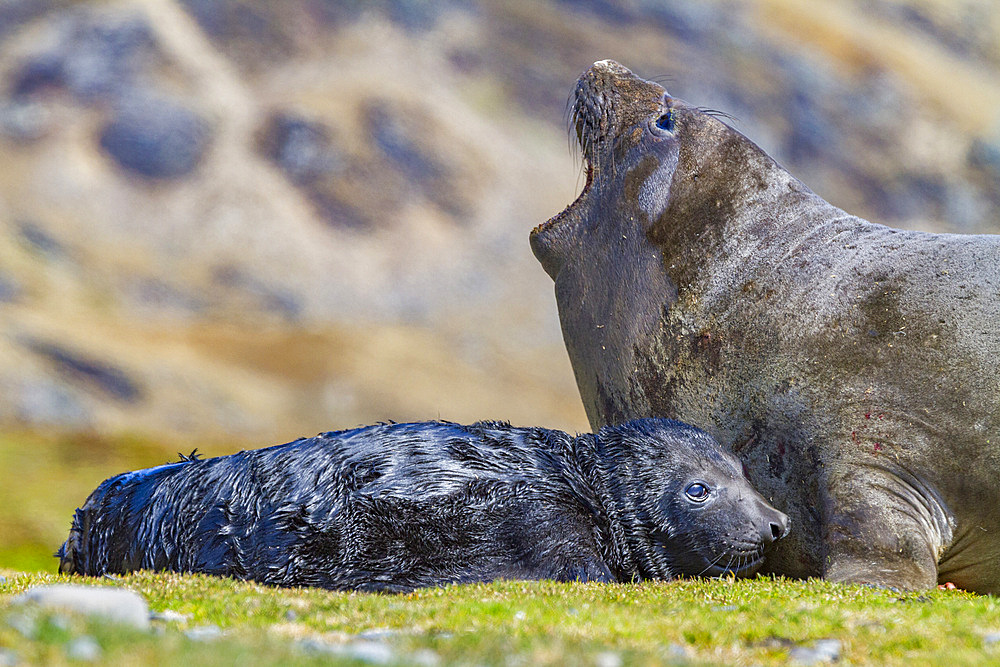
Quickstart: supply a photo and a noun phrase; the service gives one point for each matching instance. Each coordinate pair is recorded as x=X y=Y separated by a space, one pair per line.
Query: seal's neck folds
x=625 y=542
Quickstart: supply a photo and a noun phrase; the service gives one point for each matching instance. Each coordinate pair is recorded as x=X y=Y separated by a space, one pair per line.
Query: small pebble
x=9 y=658
x=3 y=579
x=169 y=616
x=118 y=605
x=520 y=616
x=608 y=659
x=377 y=633
x=424 y=657
x=24 y=624
x=59 y=622
x=83 y=648
x=376 y=653
x=728 y=607
x=372 y=652
x=991 y=638
x=822 y=650
x=677 y=651
x=313 y=646
x=290 y=615
x=203 y=633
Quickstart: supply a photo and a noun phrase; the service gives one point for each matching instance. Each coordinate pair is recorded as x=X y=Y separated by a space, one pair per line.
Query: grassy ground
x=758 y=621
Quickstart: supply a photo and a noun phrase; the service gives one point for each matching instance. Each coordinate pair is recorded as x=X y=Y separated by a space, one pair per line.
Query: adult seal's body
x=399 y=506
x=853 y=367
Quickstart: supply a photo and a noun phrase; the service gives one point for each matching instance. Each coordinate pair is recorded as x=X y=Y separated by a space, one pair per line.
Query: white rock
x=203 y=633
x=608 y=659
x=169 y=616
x=375 y=653
x=822 y=650
x=424 y=657
x=377 y=633
x=23 y=624
x=118 y=605
x=372 y=652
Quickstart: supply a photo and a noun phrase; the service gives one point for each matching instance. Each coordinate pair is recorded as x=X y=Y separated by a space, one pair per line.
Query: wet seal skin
x=395 y=507
x=854 y=368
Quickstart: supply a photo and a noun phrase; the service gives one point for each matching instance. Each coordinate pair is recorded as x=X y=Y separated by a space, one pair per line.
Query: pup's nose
x=775 y=526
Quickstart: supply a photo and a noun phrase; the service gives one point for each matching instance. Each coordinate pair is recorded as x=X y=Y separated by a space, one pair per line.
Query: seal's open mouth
x=588 y=122
x=595 y=122
x=554 y=220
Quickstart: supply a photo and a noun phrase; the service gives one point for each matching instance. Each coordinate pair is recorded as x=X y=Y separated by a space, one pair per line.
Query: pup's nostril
x=777 y=531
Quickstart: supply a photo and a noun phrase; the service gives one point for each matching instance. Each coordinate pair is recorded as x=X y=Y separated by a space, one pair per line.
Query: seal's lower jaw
x=737 y=568
x=551 y=240
x=736 y=562
x=565 y=213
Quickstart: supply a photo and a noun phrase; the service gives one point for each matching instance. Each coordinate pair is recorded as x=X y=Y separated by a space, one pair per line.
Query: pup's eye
x=697 y=492
x=666 y=121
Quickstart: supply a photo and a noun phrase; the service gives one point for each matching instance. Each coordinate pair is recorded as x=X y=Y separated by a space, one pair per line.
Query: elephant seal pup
x=854 y=368
x=399 y=506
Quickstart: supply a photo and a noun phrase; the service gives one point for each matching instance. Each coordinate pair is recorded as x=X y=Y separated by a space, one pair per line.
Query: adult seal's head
x=851 y=366
x=661 y=174
x=639 y=144
x=684 y=503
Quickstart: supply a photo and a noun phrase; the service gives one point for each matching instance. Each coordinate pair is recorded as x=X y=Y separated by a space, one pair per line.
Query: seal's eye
x=697 y=492
x=666 y=121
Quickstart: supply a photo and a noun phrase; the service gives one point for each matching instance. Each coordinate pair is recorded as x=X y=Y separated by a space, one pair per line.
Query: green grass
x=690 y=622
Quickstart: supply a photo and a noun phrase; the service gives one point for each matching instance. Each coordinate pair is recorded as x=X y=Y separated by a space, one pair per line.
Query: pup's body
x=399 y=506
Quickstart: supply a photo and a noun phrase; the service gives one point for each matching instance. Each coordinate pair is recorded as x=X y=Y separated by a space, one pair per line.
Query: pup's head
x=691 y=498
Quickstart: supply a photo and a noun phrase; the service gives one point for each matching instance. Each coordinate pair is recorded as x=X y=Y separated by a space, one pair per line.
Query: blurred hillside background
x=230 y=223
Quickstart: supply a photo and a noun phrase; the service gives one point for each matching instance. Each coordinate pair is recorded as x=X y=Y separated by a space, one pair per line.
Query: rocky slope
x=257 y=220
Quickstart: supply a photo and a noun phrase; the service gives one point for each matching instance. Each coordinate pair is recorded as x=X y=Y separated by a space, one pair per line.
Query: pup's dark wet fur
x=399 y=506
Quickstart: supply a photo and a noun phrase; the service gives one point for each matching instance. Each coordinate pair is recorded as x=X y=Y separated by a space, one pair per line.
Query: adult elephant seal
x=398 y=506
x=853 y=367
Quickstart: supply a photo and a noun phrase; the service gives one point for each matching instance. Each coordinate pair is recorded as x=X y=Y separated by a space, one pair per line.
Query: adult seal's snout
x=853 y=367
